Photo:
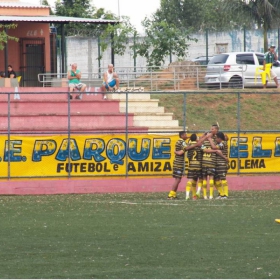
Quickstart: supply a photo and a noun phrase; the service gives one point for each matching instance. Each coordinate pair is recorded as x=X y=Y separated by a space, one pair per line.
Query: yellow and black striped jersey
x=223 y=146
x=194 y=157
x=179 y=161
x=208 y=159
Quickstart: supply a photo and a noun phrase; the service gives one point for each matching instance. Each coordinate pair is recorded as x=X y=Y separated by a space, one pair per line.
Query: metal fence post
x=197 y=78
x=185 y=111
x=9 y=135
x=69 y=136
x=174 y=77
x=126 y=134
x=151 y=80
x=238 y=132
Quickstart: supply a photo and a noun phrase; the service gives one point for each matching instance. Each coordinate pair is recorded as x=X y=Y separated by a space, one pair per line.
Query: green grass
x=257 y=111
x=140 y=236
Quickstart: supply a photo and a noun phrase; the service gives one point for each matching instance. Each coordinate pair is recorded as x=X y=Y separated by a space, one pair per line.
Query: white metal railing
x=177 y=77
x=171 y=78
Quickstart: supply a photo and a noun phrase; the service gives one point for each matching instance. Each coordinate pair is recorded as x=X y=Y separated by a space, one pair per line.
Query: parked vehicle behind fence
x=236 y=70
x=202 y=60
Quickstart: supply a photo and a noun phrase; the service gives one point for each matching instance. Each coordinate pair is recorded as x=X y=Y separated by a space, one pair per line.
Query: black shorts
x=194 y=174
x=208 y=171
x=178 y=173
x=221 y=172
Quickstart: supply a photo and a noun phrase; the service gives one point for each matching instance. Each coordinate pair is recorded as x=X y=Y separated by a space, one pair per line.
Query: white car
x=236 y=70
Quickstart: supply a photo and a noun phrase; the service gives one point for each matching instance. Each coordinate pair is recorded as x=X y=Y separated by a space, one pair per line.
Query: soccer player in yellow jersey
x=277 y=221
x=208 y=169
x=208 y=163
x=221 y=148
x=179 y=164
x=194 y=170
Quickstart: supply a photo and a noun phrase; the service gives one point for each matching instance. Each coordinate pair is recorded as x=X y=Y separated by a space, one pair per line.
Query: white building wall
x=84 y=51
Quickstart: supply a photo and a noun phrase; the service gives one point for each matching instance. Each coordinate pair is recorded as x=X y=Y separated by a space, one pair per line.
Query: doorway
x=32 y=60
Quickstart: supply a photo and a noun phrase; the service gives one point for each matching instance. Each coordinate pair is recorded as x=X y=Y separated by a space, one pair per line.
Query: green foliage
x=4 y=37
x=74 y=8
x=122 y=32
x=162 y=39
x=194 y=14
x=82 y=9
x=263 y=13
x=46 y=3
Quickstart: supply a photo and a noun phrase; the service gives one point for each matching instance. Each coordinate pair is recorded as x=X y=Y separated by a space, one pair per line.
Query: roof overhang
x=54 y=19
x=17 y=4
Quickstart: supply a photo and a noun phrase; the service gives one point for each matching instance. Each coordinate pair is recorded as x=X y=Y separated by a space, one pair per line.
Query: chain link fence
x=47 y=135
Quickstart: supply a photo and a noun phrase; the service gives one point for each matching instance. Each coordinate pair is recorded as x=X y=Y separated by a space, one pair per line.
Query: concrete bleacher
x=47 y=109
x=147 y=111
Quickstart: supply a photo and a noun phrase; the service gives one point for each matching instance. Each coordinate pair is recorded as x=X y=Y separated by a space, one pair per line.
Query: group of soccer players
x=208 y=164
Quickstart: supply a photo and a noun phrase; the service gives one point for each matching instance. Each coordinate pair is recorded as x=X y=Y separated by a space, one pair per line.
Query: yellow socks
x=199 y=186
x=211 y=188
x=172 y=194
x=219 y=187
x=225 y=187
x=193 y=188
x=204 y=187
x=188 y=188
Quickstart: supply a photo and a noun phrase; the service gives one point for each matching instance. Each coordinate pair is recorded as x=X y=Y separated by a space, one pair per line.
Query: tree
x=121 y=32
x=194 y=15
x=162 y=39
x=4 y=37
x=75 y=8
x=82 y=8
x=264 y=13
x=46 y=3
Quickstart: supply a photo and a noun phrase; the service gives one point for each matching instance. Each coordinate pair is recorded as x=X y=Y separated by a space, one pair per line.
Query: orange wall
x=26 y=30
x=8 y=11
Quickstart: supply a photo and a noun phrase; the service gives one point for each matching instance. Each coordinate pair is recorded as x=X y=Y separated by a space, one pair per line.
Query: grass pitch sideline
x=140 y=235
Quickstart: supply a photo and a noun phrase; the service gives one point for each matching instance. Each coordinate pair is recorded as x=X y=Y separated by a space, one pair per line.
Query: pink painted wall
x=113 y=185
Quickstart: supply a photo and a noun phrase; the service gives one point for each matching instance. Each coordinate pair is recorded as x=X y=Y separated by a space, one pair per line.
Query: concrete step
x=142 y=109
x=153 y=117
x=74 y=129
x=173 y=130
x=157 y=123
x=45 y=94
x=53 y=107
x=59 y=122
x=141 y=103
x=46 y=111
x=131 y=96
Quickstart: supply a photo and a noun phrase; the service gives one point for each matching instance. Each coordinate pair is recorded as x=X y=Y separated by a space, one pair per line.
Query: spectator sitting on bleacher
x=111 y=80
x=11 y=72
x=74 y=76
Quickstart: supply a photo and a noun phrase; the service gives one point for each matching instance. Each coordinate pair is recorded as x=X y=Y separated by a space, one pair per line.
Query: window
x=260 y=59
x=245 y=59
x=219 y=59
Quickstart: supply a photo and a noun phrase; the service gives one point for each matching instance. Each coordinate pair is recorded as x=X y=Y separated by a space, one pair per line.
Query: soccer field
x=140 y=235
